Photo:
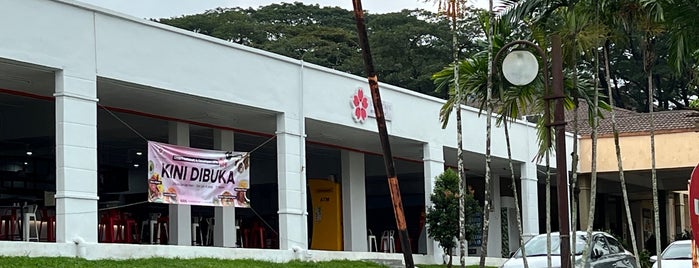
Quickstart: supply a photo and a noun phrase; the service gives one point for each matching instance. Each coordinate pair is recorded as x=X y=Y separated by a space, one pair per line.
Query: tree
x=442 y=217
x=408 y=45
x=453 y=9
x=488 y=130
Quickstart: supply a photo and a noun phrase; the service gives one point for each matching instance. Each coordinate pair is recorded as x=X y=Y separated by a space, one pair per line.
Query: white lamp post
x=520 y=67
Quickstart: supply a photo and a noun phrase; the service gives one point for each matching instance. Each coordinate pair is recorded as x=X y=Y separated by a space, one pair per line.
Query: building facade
x=83 y=88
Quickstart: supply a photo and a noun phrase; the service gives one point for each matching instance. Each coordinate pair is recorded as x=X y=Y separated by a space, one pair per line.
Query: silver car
x=677 y=254
x=606 y=252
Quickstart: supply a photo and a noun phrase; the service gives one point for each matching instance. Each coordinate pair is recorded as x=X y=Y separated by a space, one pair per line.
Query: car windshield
x=675 y=251
x=537 y=246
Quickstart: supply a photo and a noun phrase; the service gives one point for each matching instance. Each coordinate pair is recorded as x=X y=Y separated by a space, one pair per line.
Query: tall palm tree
x=650 y=26
x=453 y=10
x=676 y=18
x=617 y=147
x=487 y=209
x=594 y=122
x=473 y=80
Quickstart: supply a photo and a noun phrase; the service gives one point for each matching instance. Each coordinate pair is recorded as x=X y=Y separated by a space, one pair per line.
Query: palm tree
x=615 y=132
x=594 y=122
x=473 y=75
x=489 y=117
x=453 y=9
x=680 y=20
x=650 y=27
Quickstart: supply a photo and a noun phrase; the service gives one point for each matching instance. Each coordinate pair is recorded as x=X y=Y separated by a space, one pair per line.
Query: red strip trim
x=25 y=94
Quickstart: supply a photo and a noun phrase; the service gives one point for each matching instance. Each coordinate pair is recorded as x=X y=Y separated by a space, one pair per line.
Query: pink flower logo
x=359 y=103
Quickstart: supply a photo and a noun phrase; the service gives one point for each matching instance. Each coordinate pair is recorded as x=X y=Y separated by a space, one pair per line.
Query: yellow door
x=326 y=213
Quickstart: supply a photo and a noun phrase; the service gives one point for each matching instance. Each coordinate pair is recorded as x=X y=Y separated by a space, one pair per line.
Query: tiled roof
x=633 y=122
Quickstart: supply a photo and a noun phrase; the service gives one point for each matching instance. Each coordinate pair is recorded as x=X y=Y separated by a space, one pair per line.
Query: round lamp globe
x=520 y=67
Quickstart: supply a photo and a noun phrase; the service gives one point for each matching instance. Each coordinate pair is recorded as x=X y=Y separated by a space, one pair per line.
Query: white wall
x=148 y=53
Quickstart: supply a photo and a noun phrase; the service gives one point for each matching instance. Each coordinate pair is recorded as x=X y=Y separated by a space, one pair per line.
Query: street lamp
x=520 y=68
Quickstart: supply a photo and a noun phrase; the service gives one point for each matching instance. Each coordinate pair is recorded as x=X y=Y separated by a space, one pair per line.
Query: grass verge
x=170 y=263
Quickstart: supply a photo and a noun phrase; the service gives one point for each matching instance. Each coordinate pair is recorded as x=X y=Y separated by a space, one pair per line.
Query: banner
x=189 y=176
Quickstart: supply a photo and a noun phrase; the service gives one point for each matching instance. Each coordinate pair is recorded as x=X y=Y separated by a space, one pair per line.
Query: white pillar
x=530 y=201
x=76 y=157
x=354 y=227
x=293 y=228
x=433 y=161
x=670 y=217
x=180 y=215
x=224 y=217
x=682 y=210
x=495 y=221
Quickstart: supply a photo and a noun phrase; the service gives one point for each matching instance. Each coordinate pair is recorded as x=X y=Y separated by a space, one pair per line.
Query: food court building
x=82 y=90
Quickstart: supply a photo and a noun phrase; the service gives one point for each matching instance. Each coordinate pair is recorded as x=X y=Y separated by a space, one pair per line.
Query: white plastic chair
x=29 y=216
x=371 y=239
x=388 y=243
x=196 y=230
x=151 y=222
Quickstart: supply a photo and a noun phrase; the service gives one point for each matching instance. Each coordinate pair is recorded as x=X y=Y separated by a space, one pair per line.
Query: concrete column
x=495 y=221
x=584 y=185
x=180 y=232
x=671 y=225
x=354 y=227
x=224 y=217
x=433 y=161
x=682 y=210
x=530 y=201
x=293 y=227
x=76 y=157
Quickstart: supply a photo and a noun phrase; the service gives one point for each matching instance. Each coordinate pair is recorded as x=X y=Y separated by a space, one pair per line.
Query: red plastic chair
x=162 y=230
x=110 y=220
x=254 y=237
x=11 y=224
x=130 y=229
x=50 y=221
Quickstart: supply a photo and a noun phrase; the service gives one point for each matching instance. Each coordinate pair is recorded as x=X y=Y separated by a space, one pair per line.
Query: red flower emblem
x=359 y=103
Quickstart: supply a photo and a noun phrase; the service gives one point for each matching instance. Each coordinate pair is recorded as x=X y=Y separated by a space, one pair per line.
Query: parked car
x=677 y=254
x=606 y=252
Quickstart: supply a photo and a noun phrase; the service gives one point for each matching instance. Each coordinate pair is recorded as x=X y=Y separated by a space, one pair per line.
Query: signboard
x=694 y=204
x=189 y=176
x=362 y=106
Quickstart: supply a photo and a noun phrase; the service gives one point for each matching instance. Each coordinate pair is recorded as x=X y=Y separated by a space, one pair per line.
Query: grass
x=184 y=263
x=170 y=263
x=454 y=265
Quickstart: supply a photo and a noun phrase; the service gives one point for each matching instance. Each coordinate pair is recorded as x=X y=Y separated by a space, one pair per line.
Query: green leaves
x=443 y=216
x=407 y=46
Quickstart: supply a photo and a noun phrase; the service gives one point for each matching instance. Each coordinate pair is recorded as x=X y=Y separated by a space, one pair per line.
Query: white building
x=80 y=85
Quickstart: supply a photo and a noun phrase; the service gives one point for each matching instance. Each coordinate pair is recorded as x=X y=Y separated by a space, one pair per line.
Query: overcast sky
x=175 y=8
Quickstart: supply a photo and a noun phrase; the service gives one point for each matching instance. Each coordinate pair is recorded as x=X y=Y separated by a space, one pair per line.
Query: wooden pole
x=383 y=135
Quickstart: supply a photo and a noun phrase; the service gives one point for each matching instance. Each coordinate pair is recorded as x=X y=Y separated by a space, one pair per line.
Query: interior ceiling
x=640 y=180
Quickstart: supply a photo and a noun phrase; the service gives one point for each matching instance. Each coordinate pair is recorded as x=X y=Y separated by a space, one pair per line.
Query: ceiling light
x=25 y=163
x=135 y=165
x=139 y=153
x=29 y=153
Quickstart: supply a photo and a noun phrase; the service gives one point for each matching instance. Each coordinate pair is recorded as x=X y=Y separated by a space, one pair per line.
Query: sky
x=175 y=8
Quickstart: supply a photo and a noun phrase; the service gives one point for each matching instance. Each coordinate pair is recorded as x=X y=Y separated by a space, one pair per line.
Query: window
x=601 y=245
x=614 y=245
